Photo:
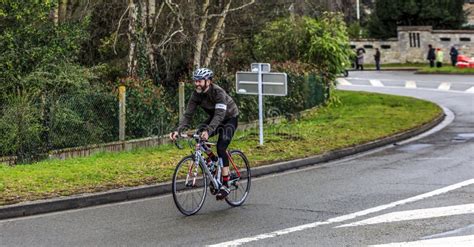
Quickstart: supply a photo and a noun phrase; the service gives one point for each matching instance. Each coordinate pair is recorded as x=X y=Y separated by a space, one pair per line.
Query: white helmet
x=203 y=74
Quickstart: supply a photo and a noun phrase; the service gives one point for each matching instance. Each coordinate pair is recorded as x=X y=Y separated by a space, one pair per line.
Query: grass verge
x=447 y=70
x=397 y=65
x=359 y=118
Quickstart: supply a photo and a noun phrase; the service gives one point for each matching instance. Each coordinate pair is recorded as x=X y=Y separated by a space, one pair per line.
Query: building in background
x=411 y=44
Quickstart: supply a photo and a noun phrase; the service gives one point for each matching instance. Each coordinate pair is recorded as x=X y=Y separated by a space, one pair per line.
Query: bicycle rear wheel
x=239 y=183
x=189 y=186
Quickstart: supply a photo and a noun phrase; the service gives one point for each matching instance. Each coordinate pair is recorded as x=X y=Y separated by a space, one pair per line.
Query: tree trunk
x=200 y=37
x=62 y=10
x=151 y=12
x=215 y=34
x=55 y=15
x=144 y=13
x=71 y=7
x=132 y=37
x=148 y=7
x=151 y=57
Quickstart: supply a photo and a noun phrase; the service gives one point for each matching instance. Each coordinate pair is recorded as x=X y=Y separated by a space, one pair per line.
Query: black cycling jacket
x=215 y=102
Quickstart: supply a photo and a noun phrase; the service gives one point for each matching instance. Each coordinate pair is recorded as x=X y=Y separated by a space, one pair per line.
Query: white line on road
x=349 y=87
x=454 y=232
x=444 y=86
x=415 y=215
x=376 y=83
x=438 y=242
x=342 y=81
x=342 y=218
x=410 y=84
x=419 y=81
x=470 y=90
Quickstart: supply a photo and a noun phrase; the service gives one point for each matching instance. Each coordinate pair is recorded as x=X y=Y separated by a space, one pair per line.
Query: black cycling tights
x=226 y=131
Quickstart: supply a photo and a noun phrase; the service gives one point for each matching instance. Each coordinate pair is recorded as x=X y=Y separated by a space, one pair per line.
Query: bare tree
x=216 y=30
x=62 y=10
x=55 y=15
x=215 y=34
x=132 y=37
x=201 y=33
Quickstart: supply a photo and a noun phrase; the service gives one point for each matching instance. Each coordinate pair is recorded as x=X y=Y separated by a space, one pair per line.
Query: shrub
x=320 y=43
x=20 y=127
x=61 y=109
x=148 y=111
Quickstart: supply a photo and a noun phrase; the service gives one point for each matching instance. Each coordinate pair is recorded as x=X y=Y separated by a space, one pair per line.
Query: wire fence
x=33 y=128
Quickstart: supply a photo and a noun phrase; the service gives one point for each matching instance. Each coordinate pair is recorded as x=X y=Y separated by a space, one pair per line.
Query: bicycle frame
x=233 y=164
x=200 y=148
x=209 y=176
x=199 y=159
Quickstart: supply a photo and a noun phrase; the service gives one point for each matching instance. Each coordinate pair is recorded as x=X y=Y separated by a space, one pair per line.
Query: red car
x=465 y=62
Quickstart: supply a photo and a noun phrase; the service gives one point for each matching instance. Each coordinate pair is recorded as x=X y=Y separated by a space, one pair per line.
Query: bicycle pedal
x=223 y=193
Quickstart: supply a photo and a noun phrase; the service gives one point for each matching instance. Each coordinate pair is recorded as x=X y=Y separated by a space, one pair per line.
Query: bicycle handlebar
x=195 y=136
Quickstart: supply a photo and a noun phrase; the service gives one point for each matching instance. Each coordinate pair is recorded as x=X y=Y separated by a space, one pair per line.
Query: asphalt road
x=418 y=191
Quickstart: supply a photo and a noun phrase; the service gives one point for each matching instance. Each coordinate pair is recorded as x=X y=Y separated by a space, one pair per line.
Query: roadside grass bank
x=397 y=65
x=448 y=69
x=424 y=68
x=359 y=118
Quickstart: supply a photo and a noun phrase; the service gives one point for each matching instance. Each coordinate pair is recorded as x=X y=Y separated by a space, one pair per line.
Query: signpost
x=261 y=82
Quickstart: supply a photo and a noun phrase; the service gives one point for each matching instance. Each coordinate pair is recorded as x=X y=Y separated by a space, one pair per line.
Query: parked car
x=465 y=62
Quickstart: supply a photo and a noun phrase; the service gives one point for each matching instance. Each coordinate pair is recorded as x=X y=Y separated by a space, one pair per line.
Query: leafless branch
x=157 y=16
x=169 y=35
x=231 y=10
x=118 y=28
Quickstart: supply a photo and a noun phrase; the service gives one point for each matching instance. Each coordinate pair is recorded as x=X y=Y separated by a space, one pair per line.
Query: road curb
x=442 y=73
x=119 y=195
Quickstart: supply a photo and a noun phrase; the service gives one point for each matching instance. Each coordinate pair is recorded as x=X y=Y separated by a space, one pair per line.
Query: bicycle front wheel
x=189 y=186
x=239 y=181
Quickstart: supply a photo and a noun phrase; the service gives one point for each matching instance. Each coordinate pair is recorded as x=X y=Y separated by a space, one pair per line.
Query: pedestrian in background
x=377 y=59
x=360 y=60
x=454 y=55
x=355 y=63
x=431 y=55
x=439 y=57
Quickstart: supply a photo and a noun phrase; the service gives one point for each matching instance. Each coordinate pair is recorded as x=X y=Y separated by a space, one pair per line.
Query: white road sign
x=274 y=84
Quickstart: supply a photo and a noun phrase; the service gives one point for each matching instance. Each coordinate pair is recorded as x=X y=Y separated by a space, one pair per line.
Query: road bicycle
x=198 y=171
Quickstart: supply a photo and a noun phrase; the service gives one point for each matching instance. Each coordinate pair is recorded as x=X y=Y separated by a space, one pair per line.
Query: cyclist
x=223 y=114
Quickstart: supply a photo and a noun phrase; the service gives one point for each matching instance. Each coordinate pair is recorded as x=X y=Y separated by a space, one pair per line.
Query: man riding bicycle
x=223 y=114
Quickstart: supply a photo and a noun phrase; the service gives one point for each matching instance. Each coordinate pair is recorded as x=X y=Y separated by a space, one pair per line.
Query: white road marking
x=417 y=80
x=342 y=218
x=470 y=90
x=438 y=242
x=349 y=87
x=410 y=84
x=376 y=83
x=415 y=215
x=458 y=231
x=342 y=81
x=444 y=86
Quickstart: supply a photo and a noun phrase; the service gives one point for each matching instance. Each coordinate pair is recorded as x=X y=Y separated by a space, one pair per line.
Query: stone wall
x=411 y=45
x=389 y=50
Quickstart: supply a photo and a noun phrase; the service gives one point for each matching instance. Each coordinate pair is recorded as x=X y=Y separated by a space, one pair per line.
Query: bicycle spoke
x=239 y=167
x=192 y=200
x=188 y=196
